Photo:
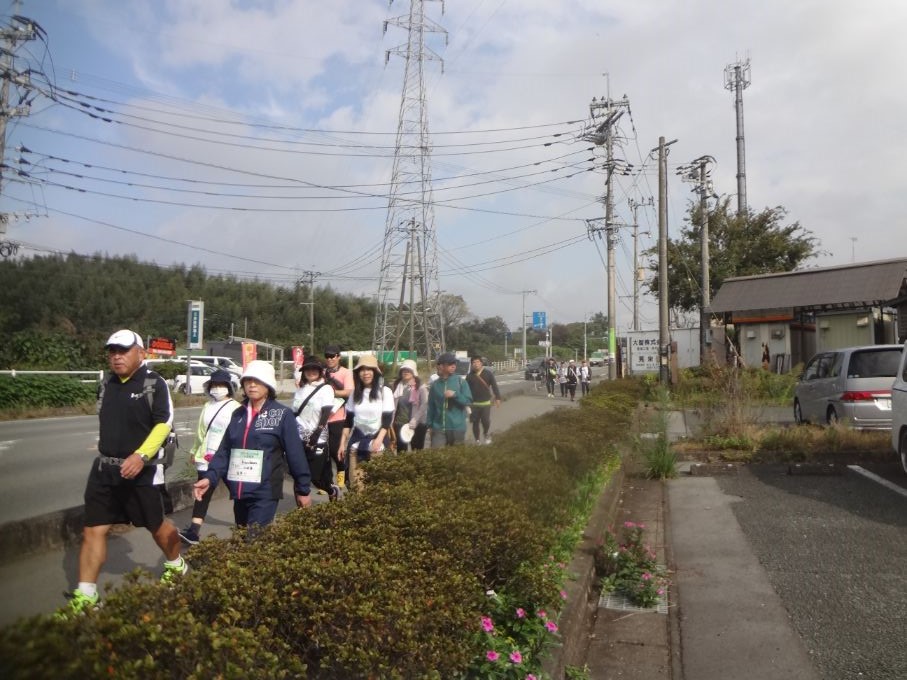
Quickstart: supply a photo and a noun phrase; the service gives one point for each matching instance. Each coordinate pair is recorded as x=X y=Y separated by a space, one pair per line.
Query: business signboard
x=196 y=325
x=643 y=351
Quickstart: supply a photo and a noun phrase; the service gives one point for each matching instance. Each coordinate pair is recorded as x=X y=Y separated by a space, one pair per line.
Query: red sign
x=163 y=346
x=298 y=356
x=249 y=353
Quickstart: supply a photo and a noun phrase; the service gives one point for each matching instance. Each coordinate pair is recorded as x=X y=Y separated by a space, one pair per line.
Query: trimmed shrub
x=32 y=391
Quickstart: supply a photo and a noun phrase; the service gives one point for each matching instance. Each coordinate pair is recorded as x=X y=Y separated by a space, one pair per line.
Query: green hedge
x=388 y=583
x=25 y=391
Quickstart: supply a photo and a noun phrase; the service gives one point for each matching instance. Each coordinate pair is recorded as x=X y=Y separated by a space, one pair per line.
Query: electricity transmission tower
x=737 y=79
x=408 y=286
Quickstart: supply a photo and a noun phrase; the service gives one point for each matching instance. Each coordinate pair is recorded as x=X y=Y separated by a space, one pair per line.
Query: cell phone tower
x=408 y=287
x=737 y=79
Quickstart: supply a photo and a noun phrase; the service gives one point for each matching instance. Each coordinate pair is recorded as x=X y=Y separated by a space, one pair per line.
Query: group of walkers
x=339 y=418
x=567 y=375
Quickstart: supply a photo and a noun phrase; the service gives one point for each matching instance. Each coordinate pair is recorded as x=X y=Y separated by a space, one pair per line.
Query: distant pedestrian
x=260 y=445
x=572 y=378
x=585 y=377
x=562 y=377
x=448 y=398
x=340 y=378
x=313 y=404
x=484 y=387
x=135 y=416
x=369 y=414
x=411 y=397
x=550 y=369
x=212 y=423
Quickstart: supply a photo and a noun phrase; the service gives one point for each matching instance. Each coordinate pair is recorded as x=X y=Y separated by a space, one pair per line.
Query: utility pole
x=19 y=30
x=524 y=293
x=634 y=207
x=605 y=114
x=664 y=331
x=737 y=79
x=308 y=277
x=698 y=172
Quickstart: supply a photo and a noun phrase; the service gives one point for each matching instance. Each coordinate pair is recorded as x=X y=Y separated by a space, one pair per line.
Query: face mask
x=218 y=393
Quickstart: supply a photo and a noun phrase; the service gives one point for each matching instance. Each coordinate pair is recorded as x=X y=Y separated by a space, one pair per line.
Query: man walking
x=483 y=385
x=124 y=484
x=448 y=398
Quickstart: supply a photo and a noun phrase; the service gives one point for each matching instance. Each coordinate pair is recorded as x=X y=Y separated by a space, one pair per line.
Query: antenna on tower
x=409 y=257
x=737 y=79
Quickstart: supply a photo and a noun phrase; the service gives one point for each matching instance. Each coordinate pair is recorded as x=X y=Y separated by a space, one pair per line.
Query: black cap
x=332 y=349
x=447 y=358
x=311 y=361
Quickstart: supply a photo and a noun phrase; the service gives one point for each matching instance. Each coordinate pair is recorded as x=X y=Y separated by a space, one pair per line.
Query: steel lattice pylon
x=408 y=286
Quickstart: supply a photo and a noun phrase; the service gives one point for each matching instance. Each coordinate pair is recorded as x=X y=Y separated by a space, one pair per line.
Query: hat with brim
x=368 y=361
x=261 y=371
x=409 y=365
x=312 y=362
x=446 y=359
x=219 y=377
x=406 y=433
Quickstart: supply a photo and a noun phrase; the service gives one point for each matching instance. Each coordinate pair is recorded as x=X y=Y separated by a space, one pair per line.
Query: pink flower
x=520 y=613
x=487 y=624
x=629 y=525
x=551 y=626
x=563 y=594
x=660 y=591
x=516 y=657
x=492 y=655
x=531 y=677
x=646 y=576
x=542 y=614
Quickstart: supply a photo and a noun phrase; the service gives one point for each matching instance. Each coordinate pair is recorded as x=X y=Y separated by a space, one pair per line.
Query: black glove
x=314 y=437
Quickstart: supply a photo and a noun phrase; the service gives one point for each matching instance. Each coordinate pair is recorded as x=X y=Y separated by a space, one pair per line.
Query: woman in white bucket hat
x=412 y=408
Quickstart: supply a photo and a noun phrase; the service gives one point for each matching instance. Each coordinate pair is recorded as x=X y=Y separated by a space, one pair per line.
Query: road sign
x=539 y=321
x=196 y=324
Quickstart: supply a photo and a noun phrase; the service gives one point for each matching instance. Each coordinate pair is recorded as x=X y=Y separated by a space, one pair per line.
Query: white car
x=899 y=410
x=200 y=374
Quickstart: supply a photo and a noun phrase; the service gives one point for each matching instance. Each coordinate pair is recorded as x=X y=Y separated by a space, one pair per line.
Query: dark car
x=534 y=369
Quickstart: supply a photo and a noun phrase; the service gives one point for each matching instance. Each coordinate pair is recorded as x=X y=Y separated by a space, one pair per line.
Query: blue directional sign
x=539 y=321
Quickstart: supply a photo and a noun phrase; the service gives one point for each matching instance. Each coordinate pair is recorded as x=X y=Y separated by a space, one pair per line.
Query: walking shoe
x=172 y=573
x=334 y=493
x=341 y=477
x=487 y=440
x=78 y=604
x=189 y=535
x=321 y=492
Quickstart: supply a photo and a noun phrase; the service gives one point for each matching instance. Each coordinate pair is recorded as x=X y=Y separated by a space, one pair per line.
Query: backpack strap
x=306 y=400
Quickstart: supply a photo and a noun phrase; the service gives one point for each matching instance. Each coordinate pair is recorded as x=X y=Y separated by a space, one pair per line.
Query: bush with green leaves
x=390 y=583
x=30 y=391
x=629 y=567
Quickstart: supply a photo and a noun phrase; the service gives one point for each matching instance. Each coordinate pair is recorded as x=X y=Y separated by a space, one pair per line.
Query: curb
x=576 y=618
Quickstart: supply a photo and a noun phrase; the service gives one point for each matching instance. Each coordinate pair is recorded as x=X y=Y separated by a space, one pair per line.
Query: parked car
x=850 y=385
x=200 y=374
x=899 y=410
x=534 y=368
x=225 y=363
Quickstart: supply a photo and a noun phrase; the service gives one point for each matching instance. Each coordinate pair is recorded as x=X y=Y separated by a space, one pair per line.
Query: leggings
x=481 y=416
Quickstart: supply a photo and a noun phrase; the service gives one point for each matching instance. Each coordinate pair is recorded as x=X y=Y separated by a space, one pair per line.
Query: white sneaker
x=487 y=440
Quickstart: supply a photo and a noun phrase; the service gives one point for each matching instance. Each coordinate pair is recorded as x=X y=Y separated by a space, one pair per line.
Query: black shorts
x=123 y=503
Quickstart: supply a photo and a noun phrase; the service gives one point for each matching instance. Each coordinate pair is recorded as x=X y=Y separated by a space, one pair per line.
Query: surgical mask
x=218 y=393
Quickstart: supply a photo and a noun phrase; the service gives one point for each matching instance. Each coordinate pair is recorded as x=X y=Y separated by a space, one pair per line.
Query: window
x=882 y=363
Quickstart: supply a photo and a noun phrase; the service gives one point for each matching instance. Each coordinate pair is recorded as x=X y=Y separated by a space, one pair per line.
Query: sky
x=256 y=137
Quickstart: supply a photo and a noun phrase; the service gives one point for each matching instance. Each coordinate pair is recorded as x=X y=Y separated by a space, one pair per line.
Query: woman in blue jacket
x=260 y=443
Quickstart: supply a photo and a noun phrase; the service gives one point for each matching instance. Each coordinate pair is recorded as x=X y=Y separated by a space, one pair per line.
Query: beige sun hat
x=409 y=365
x=368 y=361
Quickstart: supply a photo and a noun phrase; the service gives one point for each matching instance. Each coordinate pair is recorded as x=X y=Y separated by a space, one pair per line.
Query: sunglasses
x=331 y=356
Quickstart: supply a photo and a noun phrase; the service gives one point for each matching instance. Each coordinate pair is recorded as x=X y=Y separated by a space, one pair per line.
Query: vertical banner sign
x=298 y=357
x=539 y=320
x=249 y=353
x=196 y=325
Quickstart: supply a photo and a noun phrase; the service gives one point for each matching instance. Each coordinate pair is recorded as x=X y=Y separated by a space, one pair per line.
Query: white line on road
x=881 y=480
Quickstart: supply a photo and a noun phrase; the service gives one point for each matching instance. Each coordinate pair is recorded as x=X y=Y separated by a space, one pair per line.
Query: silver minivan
x=899 y=410
x=850 y=385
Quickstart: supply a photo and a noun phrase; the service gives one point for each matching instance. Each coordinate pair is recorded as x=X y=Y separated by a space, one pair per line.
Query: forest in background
x=56 y=312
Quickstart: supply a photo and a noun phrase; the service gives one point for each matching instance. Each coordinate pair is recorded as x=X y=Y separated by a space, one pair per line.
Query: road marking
x=881 y=480
x=8 y=444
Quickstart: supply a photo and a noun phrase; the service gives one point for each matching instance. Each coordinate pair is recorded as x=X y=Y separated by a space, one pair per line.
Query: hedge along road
x=33 y=583
x=44 y=462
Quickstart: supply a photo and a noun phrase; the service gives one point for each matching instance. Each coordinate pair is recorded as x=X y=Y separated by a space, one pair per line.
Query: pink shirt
x=345 y=376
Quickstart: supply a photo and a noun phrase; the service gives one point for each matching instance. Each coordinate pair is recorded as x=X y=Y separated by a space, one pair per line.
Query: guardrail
x=98 y=375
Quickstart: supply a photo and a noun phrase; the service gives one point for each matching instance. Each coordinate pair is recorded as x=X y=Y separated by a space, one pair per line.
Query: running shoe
x=78 y=604
x=190 y=535
x=173 y=572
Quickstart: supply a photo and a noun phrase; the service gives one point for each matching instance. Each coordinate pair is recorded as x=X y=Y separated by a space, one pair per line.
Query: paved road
x=827 y=553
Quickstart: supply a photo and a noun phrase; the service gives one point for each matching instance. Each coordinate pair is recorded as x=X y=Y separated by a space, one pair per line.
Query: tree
x=755 y=243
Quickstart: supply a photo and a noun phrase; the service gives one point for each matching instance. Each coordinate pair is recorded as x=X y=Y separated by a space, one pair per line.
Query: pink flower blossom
x=646 y=576
x=551 y=626
x=520 y=613
x=516 y=657
x=531 y=677
x=629 y=525
x=563 y=594
x=542 y=614
x=487 y=624
x=492 y=655
x=660 y=591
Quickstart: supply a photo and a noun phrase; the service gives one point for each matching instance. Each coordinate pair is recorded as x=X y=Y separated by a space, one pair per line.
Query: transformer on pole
x=409 y=257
